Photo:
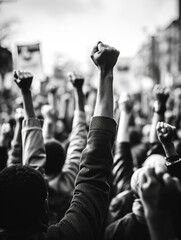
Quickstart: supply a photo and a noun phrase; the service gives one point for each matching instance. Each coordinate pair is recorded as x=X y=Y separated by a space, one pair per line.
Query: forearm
x=28 y=104
x=169 y=149
x=79 y=99
x=123 y=129
x=52 y=100
x=104 y=102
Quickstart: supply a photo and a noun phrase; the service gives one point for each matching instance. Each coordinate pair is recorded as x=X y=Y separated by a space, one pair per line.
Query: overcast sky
x=72 y=27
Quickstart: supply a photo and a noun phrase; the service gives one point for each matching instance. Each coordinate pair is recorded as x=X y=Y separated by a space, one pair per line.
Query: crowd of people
x=108 y=173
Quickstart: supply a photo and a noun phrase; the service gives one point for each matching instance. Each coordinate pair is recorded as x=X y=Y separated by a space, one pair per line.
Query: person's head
x=23 y=195
x=154 y=159
x=55 y=157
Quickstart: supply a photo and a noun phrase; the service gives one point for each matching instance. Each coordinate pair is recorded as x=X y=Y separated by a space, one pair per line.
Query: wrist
x=106 y=72
x=159 y=107
x=25 y=91
x=169 y=149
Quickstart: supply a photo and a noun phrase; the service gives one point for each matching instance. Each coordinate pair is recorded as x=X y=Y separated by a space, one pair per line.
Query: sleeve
x=85 y=217
x=33 y=146
x=3 y=157
x=15 y=154
x=123 y=167
x=78 y=141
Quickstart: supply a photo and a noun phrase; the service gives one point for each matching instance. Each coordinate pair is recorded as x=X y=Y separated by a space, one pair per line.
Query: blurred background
x=51 y=38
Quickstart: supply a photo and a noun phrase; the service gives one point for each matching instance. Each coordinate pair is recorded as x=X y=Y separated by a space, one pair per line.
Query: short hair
x=23 y=193
x=55 y=157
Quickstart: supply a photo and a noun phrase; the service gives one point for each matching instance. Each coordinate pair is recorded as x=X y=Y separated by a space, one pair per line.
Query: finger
x=166 y=91
x=100 y=45
x=15 y=74
x=162 y=124
x=95 y=49
x=160 y=169
x=167 y=179
x=158 y=126
x=20 y=74
x=28 y=74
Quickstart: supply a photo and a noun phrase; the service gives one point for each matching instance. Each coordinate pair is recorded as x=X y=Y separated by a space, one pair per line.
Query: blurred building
x=159 y=58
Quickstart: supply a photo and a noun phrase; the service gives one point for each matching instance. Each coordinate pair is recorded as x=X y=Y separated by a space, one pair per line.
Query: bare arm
x=104 y=102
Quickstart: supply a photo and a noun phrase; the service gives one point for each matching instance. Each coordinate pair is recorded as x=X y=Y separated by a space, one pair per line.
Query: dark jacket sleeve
x=85 y=217
x=123 y=167
x=3 y=157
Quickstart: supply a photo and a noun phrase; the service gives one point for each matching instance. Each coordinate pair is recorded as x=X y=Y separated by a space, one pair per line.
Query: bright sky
x=72 y=27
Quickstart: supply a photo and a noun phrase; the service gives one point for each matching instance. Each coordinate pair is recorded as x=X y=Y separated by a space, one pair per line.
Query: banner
x=29 y=59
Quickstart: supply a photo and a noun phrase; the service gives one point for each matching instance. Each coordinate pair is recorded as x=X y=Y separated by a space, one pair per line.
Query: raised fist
x=19 y=115
x=159 y=192
x=52 y=89
x=161 y=94
x=165 y=132
x=125 y=103
x=104 y=56
x=23 y=79
x=48 y=112
x=76 y=80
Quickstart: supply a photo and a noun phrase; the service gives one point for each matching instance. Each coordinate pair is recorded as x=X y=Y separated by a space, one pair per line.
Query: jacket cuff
x=103 y=123
x=32 y=123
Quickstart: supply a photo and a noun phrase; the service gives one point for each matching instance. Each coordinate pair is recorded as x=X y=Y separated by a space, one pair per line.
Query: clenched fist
x=76 y=80
x=104 y=56
x=23 y=79
x=165 y=132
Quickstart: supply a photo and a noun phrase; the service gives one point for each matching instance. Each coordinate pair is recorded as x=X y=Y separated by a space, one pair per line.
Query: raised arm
x=32 y=139
x=84 y=219
x=160 y=195
x=123 y=162
x=49 y=113
x=161 y=95
x=105 y=58
x=49 y=122
x=78 y=137
x=165 y=135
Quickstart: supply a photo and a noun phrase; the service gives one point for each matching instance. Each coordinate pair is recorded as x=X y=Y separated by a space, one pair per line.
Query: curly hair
x=23 y=193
